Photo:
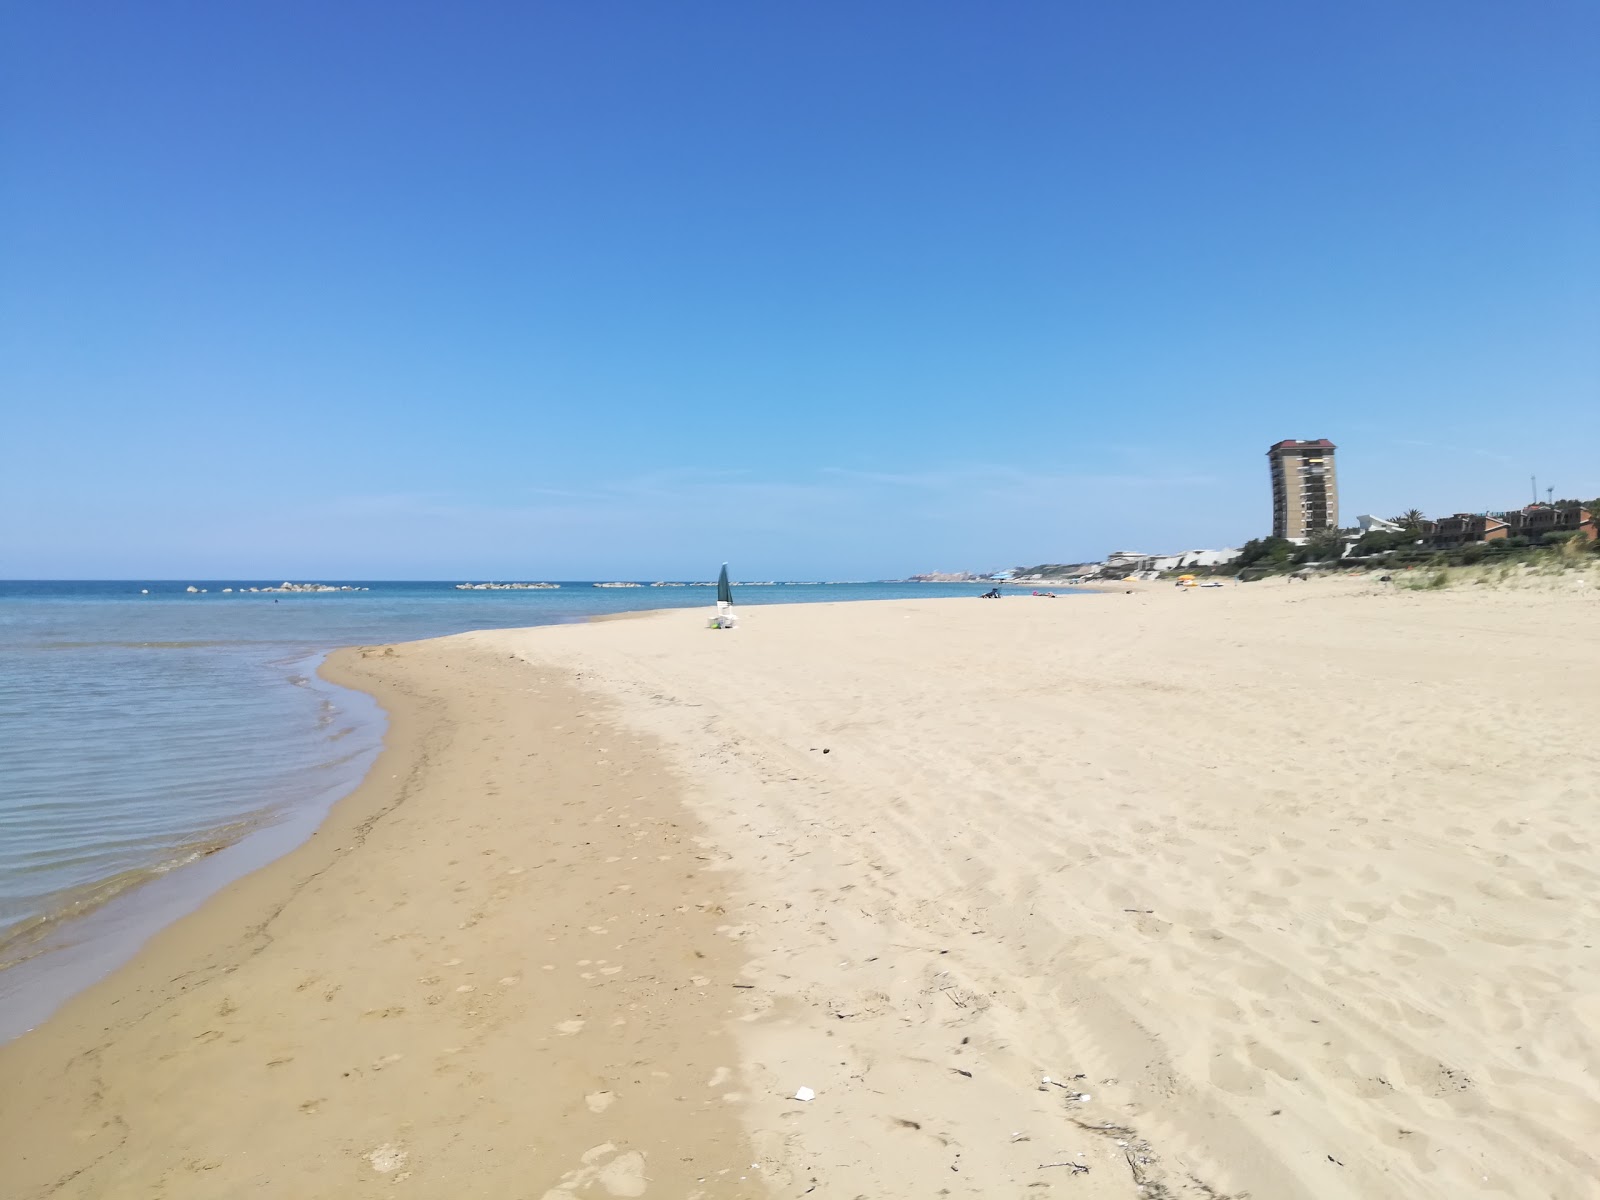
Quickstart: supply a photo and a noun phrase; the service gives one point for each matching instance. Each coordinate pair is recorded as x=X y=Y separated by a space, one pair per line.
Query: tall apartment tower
x=1305 y=490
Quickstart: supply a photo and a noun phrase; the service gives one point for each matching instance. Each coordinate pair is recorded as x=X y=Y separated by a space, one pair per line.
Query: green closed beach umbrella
x=724 y=588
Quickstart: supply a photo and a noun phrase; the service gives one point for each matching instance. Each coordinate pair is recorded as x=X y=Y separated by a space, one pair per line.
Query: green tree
x=1411 y=520
x=1272 y=551
x=1377 y=541
x=1325 y=546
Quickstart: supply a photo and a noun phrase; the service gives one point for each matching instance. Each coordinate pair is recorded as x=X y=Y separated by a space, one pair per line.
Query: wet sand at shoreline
x=1289 y=890
x=460 y=986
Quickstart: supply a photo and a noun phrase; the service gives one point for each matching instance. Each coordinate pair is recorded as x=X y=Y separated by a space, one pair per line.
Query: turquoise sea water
x=155 y=746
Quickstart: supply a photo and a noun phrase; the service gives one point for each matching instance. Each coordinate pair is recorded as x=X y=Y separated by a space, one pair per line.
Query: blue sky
x=626 y=289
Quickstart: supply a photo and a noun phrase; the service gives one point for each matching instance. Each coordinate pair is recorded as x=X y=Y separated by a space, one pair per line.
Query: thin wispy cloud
x=1446 y=448
x=996 y=474
x=897 y=520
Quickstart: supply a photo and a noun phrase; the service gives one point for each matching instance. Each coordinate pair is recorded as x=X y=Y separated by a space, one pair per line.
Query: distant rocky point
x=505 y=587
x=286 y=586
x=312 y=587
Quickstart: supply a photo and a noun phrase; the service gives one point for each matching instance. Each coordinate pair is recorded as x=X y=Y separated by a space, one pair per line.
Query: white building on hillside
x=1129 y=562
x=1208 y=558
x=1369 y=522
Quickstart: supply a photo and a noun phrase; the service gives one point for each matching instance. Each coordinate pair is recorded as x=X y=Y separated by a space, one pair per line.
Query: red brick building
x=1532 y=522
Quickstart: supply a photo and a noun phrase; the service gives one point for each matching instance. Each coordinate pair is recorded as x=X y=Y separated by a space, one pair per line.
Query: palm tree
x=1411 y=520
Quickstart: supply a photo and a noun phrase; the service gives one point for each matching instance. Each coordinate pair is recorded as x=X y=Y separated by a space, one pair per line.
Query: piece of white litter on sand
x=1084 y=1097
x=805 y=1093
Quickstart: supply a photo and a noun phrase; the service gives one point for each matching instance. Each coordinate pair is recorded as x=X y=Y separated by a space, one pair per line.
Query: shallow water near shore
x=158 y=743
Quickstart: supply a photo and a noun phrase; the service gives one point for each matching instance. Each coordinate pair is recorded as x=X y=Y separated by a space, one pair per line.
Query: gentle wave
x=21 y=940
x=191 y=645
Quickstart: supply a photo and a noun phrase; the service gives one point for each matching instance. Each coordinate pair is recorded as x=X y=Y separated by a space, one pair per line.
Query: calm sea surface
x=155 y=746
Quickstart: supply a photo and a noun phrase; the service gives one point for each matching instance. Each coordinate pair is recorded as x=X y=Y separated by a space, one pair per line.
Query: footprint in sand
x=618 y=1174
x=387 y=1158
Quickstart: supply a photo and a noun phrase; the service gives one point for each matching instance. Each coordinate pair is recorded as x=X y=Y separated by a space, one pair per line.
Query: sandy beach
x=1275 y=890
